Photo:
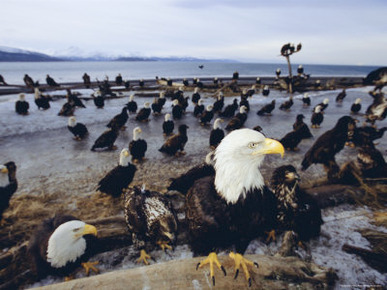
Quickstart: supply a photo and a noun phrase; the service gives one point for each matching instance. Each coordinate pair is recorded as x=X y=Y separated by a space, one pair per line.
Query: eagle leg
x=143 y=257
x=270 y=236
x=211 y=259
x=164 y=245
x=90 y=266
x=239 y=261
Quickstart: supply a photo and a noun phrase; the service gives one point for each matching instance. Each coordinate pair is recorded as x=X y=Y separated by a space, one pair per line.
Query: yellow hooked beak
x=271 y=146
x=4 y=169
x=89 y=230
x=126 y=153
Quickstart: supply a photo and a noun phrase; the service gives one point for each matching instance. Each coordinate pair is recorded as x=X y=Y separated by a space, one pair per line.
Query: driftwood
x=377 y=261
x=273 y=273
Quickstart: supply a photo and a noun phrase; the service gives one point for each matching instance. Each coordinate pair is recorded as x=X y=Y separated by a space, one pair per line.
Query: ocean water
x=13 y=72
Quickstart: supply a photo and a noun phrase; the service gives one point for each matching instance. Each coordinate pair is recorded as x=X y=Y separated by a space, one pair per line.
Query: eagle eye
x=75 y=230
x=252 y=145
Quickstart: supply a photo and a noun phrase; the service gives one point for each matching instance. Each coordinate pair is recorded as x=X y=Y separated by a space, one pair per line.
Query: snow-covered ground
x=47 y=157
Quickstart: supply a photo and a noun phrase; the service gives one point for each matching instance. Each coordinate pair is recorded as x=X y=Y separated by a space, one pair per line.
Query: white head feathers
x=66 y=244
x=237 y=160
x=72 y=121
x=124 y=157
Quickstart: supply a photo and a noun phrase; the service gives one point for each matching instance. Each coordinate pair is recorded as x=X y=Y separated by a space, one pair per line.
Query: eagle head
x=66 y=244
x=237 y=160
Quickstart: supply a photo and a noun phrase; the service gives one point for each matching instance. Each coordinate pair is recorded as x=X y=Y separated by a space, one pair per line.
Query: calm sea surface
x=13 y=72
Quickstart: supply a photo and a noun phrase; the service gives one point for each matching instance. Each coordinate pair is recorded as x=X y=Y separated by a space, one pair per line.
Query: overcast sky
x=331 y=31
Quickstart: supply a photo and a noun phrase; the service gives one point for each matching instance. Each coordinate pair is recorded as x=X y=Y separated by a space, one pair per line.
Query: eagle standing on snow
x=119 y=177
x=8 y=185
x=150 y=219
x=60 y=245
x=325 y=148
x=232 y=206
x=297 y=211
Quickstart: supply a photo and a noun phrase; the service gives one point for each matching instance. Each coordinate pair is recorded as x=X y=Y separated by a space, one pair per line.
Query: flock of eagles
x=227 y=202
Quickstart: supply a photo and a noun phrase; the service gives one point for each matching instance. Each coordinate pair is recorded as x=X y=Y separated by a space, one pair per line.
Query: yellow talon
x=240 y=260
x=164 y=245
x=270 y=236
x=143 y=257
x=211 y=259
x=90 y=266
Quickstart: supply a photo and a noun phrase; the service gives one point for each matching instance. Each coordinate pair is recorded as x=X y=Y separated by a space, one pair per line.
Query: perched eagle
x=217 y=133
x=195 y=96
x=21 y=105
x=232 y=206
x=356 y=106
x=266 y=90
x=60 y=245
x=144 y=113
x=119 y=120
x=219 y=103
x=99 y=99
x=291 y=140
x=176 y=142
x=340 y=97
x=306 y=100
x=168 y=125
x=8 y=185
x=67 y=110
x=150 y=219
x=137 y=146
x=325 y=148
x=207 y=115
x=377 y=77
x=177 y=110
x=317 y=117
x=229 y=110
x=267 y=109
x=296 y=210
x=378 y=109
x=300 y=126
x=132 y=105
x=51 y=82
x=41 y=101
x=287 y=104
x=199 y=108
x=238 y=120
x=79 y=130
x=106 y=140
x=119 y=177
x=323 y=105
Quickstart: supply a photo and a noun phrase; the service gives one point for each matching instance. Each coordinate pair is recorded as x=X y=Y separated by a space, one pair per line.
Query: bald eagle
x=106 y=140
x=176 y=142
x=60 y=245
x=219 y=103
x=8 y=185
x=377 y=77
x=207 y=115
x=21 y=105
x=119 y=177
x=356 y=106
x=325 y=148
x=131 y=105
x=119 y=120
x=267 y=109
x=137 y=146
x=51 y=82
x=378 y=109
x=229 y=110
x=217 y=133
x=317 y=117
x=79 y=130
x=144 y=113
x=199 y=108
x=287 y=104
x=168 y=125
x=300 y=126
x=232 y=206
x=42 y=102
x=150 y=219
x=238 y=120
x=177 y=110
x=297 y=211
x=195 y=96
x=306 y=100
x=340 y=97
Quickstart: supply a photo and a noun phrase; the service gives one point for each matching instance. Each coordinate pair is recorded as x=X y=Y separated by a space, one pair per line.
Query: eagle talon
x=241 y=261
x=211 y=259
x=90 y=266
x=270 y=237
x=164 y=245
x=143 y=257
